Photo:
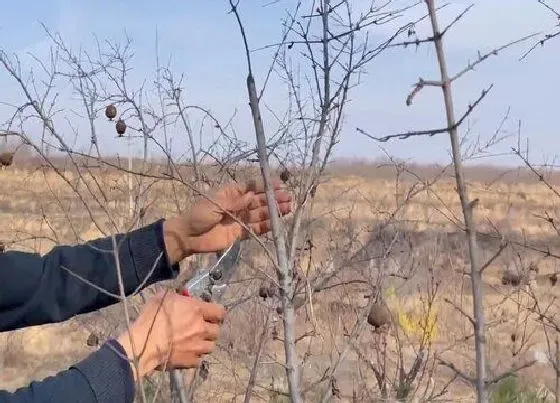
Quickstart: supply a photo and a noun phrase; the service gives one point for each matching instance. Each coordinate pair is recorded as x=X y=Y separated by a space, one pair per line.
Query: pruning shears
x=208 y=284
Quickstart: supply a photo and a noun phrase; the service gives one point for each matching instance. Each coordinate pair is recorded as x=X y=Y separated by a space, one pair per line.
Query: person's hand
x=208 y=228
x=172 y=332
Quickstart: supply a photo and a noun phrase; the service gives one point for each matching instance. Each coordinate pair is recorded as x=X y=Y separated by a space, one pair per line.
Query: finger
x=212 y=331
x=204 y=347
x=262 y=213
x=241 y=203
x=259 y=228
x=257 y=185
x=258 y=215
x=259 y=200
x=195 y=364
x=213 y=313
x=285 y=208
x=233 y=199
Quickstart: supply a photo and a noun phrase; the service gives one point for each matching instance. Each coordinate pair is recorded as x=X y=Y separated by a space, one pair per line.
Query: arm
x=38 y=290
x=106 y=376
x=103 y=376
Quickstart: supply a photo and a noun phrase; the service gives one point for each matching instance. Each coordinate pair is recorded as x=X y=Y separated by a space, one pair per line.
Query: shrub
x=510 y=391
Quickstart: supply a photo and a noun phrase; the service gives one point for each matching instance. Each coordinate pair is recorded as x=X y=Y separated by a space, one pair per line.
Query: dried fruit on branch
x=379 y=315
x=263 y=292
x=6 y=159
x=111 y=111
x=510 y=277
x=285 y=175
x=120 y=127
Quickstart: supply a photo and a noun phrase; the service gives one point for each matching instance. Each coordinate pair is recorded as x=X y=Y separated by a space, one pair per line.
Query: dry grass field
x=38 y=210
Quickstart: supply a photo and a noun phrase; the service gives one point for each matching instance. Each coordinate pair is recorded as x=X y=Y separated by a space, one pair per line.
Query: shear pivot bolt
x=216 y=275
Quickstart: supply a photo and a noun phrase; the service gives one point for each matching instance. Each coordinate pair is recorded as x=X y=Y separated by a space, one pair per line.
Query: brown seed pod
x=378 y=315
x=285 y=175
x=120 y=127
x=111 y=111
x=6 y=159
x=509 y=277
x=263 y=292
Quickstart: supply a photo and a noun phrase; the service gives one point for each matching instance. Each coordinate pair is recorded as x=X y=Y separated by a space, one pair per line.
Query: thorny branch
x=430 y=132
x=549 y=36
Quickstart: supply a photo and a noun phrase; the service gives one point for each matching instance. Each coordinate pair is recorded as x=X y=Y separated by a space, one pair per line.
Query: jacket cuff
x=147 y=248
x=109 y=373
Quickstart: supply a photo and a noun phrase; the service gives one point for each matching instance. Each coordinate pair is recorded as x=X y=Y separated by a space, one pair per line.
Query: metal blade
x=227 y=262
x=211 y=282
x=223 y=272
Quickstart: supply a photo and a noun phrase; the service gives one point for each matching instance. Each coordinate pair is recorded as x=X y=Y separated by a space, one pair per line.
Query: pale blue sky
x=204 y=43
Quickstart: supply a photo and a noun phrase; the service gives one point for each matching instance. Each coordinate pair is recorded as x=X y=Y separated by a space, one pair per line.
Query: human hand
x=172 y=332
x=208 y=228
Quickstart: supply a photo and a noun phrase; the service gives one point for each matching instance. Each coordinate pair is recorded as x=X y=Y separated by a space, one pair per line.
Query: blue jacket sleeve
x=102 y=377
x=36 y=290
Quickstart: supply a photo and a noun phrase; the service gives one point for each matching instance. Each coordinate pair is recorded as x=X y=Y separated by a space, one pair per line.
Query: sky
x=201 y=40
